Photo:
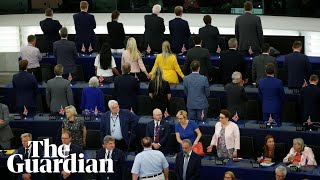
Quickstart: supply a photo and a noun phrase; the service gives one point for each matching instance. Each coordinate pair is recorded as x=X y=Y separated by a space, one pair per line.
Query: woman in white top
x=133 y=56
x=226 y=136
x=105 y=64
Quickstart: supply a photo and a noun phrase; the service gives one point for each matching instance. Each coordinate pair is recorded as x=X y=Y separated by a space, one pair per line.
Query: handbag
x=198 y=149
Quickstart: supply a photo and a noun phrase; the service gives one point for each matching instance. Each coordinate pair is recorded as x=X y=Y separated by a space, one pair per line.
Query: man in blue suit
x=159 y=131
x=196 y=88
x=179 y=31
x=297 y=66
x=25 y=87
x=109 y=151
x=85 y=25
x=120 y=124
x=272 y=95
x=188 y=163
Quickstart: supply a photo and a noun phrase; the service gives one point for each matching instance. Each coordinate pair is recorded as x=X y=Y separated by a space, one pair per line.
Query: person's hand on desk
x=209 y=148
x=235 y=154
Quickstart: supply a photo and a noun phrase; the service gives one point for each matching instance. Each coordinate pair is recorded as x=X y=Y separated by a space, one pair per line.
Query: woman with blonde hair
x=133 y=56
x=169 y=64
x=159 y=90
x=229 y=175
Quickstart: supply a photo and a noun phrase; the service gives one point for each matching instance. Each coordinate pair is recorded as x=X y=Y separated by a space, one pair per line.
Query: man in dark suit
x=5 y=130
x=109 y=151
x=179 y=31
x=68 y=149
x=27 y=153
x=310 y=100
x=66 y=54
x=200 y=54
x=196 y=88
x=297 y=66
x=236 y=96
x=120 y=124
x=84 y=24
x=188 y=163
x=230 y=61
x=25 y=87
x=210 y=35
x=50 y=29
x=126 y=88
x=248 y=30
x=116 y=33
x=259 y=64
x=58 y=91
x=154 y=29
x=272 y=95
x=159 y=131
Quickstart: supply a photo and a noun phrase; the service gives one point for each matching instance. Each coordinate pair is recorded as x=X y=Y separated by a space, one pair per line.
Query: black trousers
x=36 y=72
x=122 y=145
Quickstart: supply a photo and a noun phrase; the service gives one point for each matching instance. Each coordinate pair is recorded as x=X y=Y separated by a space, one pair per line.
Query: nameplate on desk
x=52 y=117
x=255 y=165
x=263 y=126
x=87 y=118
x=294 y=168
x=17 y=117
x=299 y=128
x=219 y=162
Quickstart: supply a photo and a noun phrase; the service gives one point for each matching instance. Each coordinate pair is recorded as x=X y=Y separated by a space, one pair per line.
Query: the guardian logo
x=51 y=164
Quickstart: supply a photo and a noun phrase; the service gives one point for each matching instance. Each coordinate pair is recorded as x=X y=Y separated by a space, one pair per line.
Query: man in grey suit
x=66 y=53
x=260 y=62
x=58 y=92
x=248 y=30
x=196 y=88
x=200 y=54
x=5 y=130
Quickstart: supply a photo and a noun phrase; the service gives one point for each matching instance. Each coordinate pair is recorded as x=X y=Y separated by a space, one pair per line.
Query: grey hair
x=236 y=76
x=111 y=103
x=26 y=135
x=232 y=43
x=300 y=142
x=156 y=9
x=281 y=169
x=71 y=109
x=187 y=141
x=94 y=82
x=107 y=139
x=155 y=110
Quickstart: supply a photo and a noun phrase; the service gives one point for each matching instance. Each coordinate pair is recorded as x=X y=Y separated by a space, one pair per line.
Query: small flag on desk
x=148 y=49
x=101 y=79
x=96 y=111
x=202 y=115
x=90 y=48
x=250 y=50
x=131 y=110
x=305 y=84
x=61 y=111
x=235 y=117
x=83 y=49
x=166 y=114
x=309 y=121
x=183 y=49
x=270 y=120
x=70 y=77
x=25 y=110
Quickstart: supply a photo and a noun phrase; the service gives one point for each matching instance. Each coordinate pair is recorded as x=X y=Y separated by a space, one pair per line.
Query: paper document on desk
x=9 y=152
x=266 y=164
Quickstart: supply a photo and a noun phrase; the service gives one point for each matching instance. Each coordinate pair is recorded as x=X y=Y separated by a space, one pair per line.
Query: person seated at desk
x=133 y=56
x=229 y=175
x=226 y=137
x=281 y=173
x=300 y=154
x=5 y=130
x=270 y=151
x=75 y=125
x=105 y=65
x=116 y=33
x=159 y=90
x=186 y=129
x=92 y=97
x=169 y=64
x=25 y=87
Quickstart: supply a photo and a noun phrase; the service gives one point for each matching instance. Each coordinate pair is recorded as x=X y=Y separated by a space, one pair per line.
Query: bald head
x=157 y=114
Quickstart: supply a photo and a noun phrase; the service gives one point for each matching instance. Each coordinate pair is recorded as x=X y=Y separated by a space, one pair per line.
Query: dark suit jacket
x=119 y=164
x=310 y=100
x=116 y=34
x=128 y=123
x=230 y=61
x=210 y=37
x=84 y=24
x=126 y=88
x=74 y=149
x=203 y=56
x=193 y=169
x=237 y=99
x=259 y=66
x=180 y=33
x=278 y=153
x=248 y=30
x=66 y=54
x=50 y=30
x=153 y=34
x=298 y=68
x=272 y=94
x=164 y=133
x=25 y=87
x=21 y=150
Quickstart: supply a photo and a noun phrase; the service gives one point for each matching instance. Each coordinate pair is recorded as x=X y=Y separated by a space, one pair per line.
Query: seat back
x=173 y=145
x=214 y=107
x=252 y=110
x=289 y=112
x=107 y=98
x=47 y=72
x=144 y=105
x=79 y=73
x=16 y=141
x=246 y=147
x=93 y=139
x=206 y=140
x=316 y=152
x=176 y=104
x=39 y=102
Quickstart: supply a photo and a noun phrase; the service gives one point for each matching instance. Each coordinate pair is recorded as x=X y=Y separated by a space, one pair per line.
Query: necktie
x=108 y=155
x=26 y=155
x=185 y=166
x=157 y=136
